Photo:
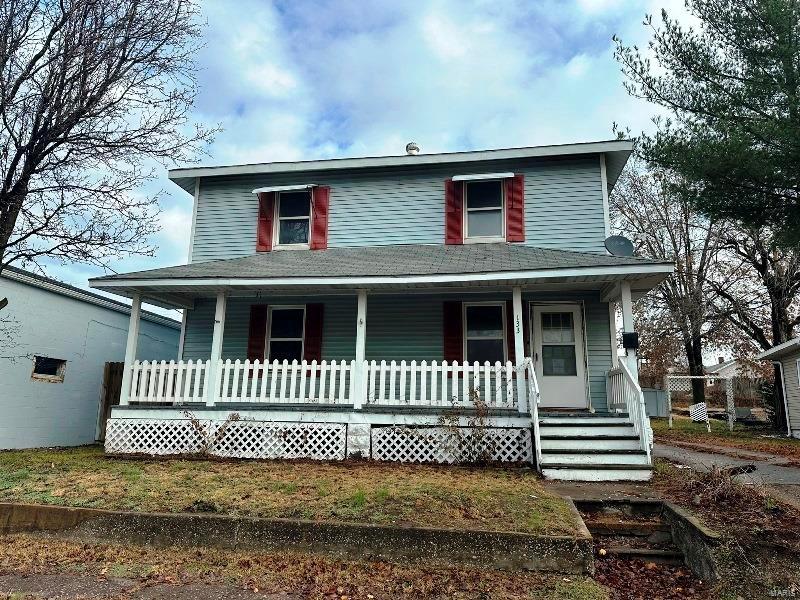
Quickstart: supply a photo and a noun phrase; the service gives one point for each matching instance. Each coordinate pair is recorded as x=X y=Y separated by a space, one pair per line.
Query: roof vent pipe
x=412 y=148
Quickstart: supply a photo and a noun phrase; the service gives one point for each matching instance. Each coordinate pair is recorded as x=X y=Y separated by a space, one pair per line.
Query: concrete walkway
x=771 y=470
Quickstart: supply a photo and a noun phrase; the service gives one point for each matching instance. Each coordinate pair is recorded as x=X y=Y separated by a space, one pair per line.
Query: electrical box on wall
x=630 y=340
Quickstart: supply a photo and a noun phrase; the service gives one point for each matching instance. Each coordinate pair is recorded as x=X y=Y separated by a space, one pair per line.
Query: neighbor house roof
x=391 y=266
x=615 y=151
x=64 y=289
x=780 y=350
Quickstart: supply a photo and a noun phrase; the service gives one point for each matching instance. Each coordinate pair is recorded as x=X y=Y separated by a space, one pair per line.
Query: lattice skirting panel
x=452 y=445
x=233 y=439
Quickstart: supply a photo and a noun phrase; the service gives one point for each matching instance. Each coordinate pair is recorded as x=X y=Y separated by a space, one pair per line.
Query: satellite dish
x=618 y=245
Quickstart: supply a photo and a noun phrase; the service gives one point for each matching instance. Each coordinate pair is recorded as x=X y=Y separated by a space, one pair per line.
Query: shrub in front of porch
x=470 y=498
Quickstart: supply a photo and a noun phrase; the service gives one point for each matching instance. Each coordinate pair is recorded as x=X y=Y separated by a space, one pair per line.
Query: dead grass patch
x=298 y=575
x=743 y=437
x=485 y=498
x=759 y=555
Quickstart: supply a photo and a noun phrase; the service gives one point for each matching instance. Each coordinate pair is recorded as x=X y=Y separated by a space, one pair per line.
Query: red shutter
x=257 y=336
x=453 y=212
x=319 y=217
x=266 y=213
x=453 y=331
x=515 y=208
x=312 y=344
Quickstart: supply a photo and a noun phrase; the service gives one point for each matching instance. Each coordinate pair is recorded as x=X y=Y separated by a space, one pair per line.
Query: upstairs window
x=48 y=369
x=286 y=332
x=293 y=224
x=484 y=335
x=484 y=210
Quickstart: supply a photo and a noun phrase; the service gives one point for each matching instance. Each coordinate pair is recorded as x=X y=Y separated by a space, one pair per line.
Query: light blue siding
x=405 y=327
x=563 y=206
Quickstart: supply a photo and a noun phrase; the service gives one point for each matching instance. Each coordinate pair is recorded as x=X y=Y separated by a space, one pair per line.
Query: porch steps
x=581 y=447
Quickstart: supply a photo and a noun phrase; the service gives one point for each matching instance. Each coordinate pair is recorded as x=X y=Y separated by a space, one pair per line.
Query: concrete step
x=639 y=529
x=586 y=430
x=609 y=472
x=549 y=421
x=666 y=557
x=594 y=456
x=578 y=444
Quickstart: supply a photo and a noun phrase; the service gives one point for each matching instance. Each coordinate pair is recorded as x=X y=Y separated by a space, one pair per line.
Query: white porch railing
x=625 y=394
x=286 y=382
x=534 y=398
x=383 y=383
x=439 y=384
x=169 y=382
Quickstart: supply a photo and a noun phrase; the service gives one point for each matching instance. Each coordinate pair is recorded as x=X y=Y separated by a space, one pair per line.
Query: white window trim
x=464 y=328
x=269 y=338
x=57 y=378
x=797 y=366
x=276 y=226
x=483 y=176
x=465 y=224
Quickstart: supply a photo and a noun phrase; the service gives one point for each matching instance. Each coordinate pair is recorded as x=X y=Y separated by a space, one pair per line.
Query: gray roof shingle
x=376 y=261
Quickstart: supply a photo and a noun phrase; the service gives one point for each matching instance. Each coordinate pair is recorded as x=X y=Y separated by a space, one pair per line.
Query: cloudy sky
x=302 y=79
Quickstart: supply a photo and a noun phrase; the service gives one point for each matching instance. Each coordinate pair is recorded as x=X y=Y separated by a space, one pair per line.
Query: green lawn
x=743 y=437
x=500 y=499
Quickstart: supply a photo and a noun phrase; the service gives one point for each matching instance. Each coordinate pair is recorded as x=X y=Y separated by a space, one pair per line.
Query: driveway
x=773 y=471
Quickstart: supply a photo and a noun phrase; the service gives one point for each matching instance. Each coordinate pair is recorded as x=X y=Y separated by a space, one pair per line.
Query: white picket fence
x=439 y=384
x=170 y=382
x=384 y=383
x=285 y=382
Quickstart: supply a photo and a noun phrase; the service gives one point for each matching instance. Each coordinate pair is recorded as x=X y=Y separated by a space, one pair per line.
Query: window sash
x=270 y=338
x=279 y=219
x=499 y=207
x=501 y=336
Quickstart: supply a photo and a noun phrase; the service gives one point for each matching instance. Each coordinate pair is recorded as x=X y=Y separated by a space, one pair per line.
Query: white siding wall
x=36 y=413
x=792 y=389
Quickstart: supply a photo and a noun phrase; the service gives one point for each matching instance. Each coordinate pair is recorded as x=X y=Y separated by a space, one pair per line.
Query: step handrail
x=534 y=398
x=631 y=394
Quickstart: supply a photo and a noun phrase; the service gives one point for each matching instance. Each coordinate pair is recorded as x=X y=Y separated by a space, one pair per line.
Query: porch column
x=627 y=326
x=214 y=375
x=359 y=382
x=130 y=348
x=519 y=349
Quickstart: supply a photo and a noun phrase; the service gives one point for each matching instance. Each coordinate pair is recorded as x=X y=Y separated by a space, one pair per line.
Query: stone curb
x=350 y=541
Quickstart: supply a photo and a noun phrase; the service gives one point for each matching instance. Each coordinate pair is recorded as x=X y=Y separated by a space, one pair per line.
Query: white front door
x=557 y=339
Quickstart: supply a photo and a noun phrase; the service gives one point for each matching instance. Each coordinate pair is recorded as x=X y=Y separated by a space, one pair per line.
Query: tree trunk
x=694 y=356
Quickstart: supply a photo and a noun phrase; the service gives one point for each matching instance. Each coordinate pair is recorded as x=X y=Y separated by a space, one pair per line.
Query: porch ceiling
x=388 y=269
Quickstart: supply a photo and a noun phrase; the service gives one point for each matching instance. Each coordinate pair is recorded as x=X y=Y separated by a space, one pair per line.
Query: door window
x=558 y=344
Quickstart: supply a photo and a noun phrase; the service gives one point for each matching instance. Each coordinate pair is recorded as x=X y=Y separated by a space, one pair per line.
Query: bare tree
x=663 y=225
x=93 y=95
x=762 y=300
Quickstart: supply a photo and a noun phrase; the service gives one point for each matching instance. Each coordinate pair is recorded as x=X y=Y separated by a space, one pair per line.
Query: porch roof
x=399 y=266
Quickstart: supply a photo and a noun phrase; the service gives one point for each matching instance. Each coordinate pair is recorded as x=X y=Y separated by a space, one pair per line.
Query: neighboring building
x=730 y=369
x=62 y=336
x=787 y=357
x=373 y=291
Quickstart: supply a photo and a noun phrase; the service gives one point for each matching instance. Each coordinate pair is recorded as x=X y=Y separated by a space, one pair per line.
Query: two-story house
x=341 y=307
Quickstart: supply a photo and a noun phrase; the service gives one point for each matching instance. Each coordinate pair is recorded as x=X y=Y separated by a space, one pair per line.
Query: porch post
x=212 y=394
x=627 y=326
x=130 y=348
x=358 y=383
x=519 y=349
